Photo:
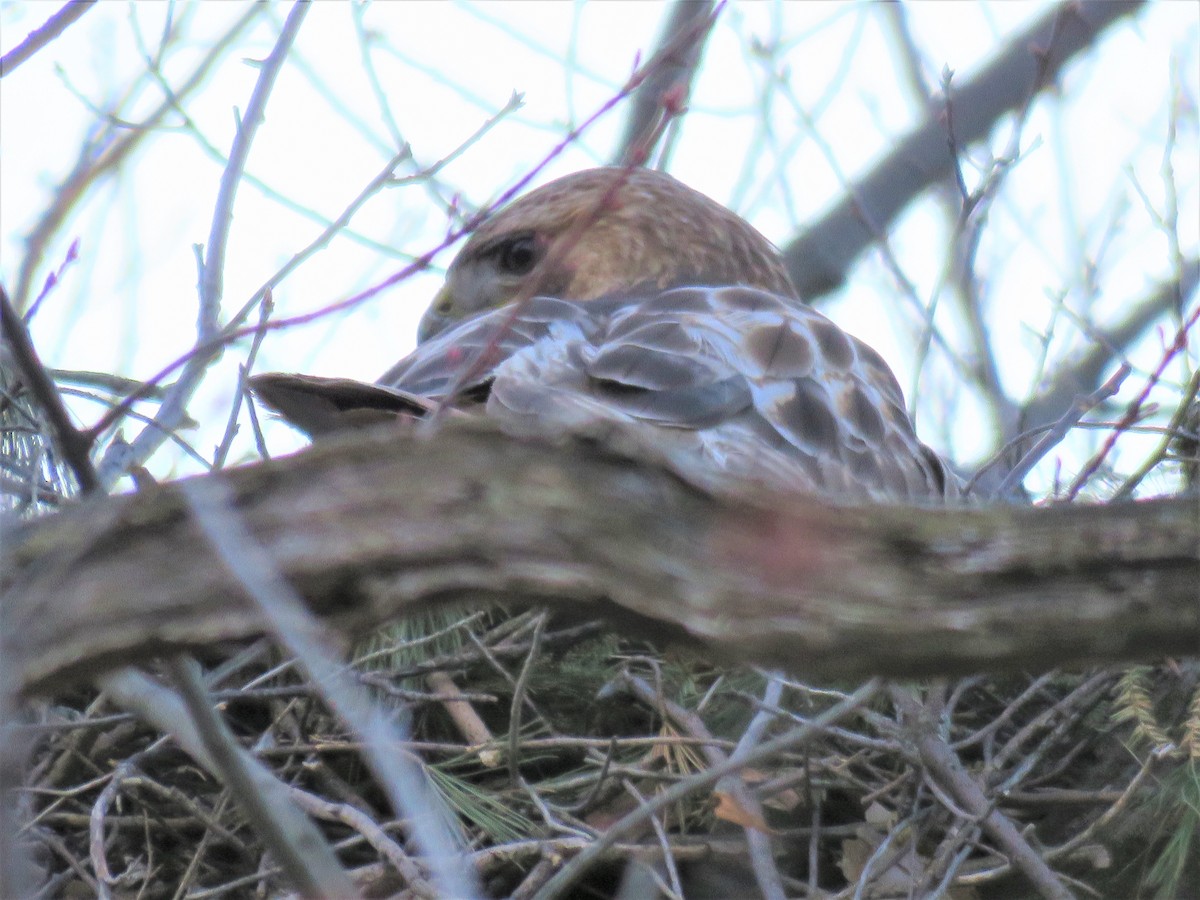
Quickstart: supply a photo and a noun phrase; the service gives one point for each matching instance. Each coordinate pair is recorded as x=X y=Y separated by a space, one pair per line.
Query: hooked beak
x=436 y=318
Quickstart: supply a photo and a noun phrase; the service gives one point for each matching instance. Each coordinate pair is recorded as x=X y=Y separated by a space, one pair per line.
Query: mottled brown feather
x=768 y=391
x=730 y=378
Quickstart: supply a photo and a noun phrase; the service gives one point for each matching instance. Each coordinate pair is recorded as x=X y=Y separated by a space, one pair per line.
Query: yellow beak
x=438 y=316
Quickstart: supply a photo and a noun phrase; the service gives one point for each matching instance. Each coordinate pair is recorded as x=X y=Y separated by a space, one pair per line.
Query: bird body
x=596 y=303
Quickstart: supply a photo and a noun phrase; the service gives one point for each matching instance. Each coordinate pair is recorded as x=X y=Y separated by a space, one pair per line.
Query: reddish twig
x=1081 y=407
x=419 y=264
x=687 y=26
x=671 y=105
x=1131 y=413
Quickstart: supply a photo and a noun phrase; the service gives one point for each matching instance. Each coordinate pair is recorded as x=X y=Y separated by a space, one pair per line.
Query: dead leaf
x=730 y=810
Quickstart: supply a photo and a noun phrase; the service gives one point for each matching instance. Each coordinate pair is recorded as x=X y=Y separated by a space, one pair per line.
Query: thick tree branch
x=819 y=257
x=684 y=33
x=382 y=522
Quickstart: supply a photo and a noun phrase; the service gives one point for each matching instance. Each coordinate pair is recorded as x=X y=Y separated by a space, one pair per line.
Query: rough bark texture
x=379 y=523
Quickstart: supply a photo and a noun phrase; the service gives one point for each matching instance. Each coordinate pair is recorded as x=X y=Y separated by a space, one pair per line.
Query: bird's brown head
x=602 y=232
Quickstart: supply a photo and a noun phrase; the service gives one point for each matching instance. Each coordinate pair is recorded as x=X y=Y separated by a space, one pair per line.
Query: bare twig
x=458 y=707
x=293 y=840
x=687 y=26
x=106 y=152
x=1082 y=375
x=1174 y=432
x=733 y=785
x=1172 y=350
x=414 y=879
x=398 y=773
x=40 y=37
x=789 y=740
x=235 y=407
x=946 y=767
x=74 y=444
x=173 y=408
x=520 y=688
x=819 y=257
x=1081 y=407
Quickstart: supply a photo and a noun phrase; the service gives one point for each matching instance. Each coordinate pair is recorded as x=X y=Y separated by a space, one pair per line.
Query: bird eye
x=518 y=255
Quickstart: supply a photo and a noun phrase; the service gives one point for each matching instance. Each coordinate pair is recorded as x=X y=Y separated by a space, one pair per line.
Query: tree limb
x=383 y=522
x=820 y=256
x=38 y=38
x=684 y=34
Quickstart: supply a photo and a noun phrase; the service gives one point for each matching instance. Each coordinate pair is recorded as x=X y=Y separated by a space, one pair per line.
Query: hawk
x=623 y=299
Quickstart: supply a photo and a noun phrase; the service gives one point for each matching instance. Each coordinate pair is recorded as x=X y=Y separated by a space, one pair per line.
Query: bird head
x=599 y=233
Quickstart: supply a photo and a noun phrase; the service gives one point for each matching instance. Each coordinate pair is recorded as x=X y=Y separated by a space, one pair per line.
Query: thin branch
x=105 y=153
x=40 y=37
x=944 y=764
x=1175 y=431
x=214 y=252
x=789 y=740
x=294 y=842
x=1083 y=374
x=235 y=406
x=173 y=409
x=1177 y=345
x=398 y=773
x=1055 y=434
x=819 y=258
x=385 y=177
x=74 y=444
x=685 y=31
x=734 y=786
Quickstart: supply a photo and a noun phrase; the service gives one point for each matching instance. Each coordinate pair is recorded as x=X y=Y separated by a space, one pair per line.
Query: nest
x=541 y=735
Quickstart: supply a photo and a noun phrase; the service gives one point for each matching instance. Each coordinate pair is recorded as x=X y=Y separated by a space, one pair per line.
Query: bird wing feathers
x=729 y=384
x=737 y=383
